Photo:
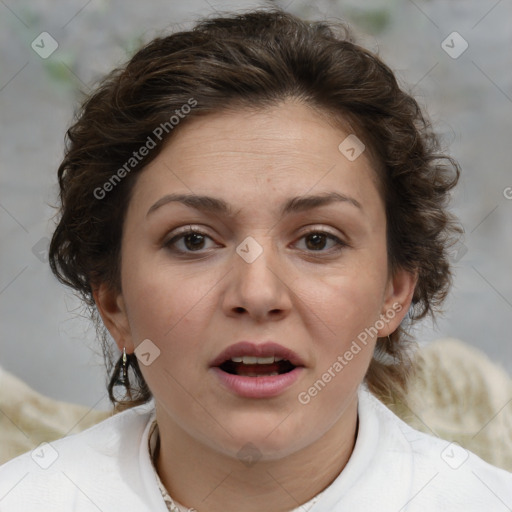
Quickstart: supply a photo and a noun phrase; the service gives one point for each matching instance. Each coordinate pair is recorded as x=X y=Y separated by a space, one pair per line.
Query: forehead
x=286 y=132
x=288 y=149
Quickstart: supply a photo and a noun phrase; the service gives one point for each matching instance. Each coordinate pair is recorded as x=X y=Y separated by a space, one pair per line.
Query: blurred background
x=455 y=56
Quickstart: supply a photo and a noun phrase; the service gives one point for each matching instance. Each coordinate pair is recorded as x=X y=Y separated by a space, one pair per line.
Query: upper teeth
x=256 y=360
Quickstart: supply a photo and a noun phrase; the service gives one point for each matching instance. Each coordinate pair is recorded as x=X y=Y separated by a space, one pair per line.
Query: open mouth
x=249 y=366
x=260 y=371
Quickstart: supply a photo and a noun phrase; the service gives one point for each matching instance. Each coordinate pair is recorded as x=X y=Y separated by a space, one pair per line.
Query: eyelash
x=170 y=243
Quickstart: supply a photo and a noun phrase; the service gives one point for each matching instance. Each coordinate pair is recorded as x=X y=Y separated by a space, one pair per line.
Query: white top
x=392 y=468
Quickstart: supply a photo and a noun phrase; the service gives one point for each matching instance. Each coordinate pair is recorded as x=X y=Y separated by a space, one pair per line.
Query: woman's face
x=296 y=256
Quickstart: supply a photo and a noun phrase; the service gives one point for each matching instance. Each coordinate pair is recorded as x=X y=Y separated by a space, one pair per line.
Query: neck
x=202 y=478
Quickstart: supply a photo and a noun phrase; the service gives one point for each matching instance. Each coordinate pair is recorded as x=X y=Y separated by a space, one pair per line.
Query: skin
x=305 y=293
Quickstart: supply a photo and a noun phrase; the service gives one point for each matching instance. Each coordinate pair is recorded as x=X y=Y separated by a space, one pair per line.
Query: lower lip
x=258 y=387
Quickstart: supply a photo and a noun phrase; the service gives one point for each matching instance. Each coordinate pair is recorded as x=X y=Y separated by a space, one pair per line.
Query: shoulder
x=96 y=468
x=442 y=475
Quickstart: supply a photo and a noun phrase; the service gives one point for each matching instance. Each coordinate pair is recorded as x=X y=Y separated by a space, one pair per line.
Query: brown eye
x=188 y=241
x=318 y=241
x=194 y=241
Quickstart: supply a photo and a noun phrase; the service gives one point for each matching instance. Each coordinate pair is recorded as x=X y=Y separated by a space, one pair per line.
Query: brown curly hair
x=255 y=60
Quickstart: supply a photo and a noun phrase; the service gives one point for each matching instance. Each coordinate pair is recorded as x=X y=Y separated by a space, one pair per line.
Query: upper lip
x=266 y=349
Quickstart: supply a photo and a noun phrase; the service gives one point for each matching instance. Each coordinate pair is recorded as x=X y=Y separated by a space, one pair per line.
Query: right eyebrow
x=199 y=202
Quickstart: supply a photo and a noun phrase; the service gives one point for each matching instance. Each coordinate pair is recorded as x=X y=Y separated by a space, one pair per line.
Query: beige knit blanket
x=458 y=394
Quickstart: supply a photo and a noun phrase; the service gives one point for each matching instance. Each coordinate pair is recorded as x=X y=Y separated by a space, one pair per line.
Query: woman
x=257 y=213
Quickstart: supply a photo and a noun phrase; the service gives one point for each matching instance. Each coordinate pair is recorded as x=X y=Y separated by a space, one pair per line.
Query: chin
x=265 y=440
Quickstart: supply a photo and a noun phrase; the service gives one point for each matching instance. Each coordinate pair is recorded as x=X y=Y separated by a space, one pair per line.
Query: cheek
x=169 y=306
x=174 y=312
x=345 y=301
x=347 y=307
x=342 y=315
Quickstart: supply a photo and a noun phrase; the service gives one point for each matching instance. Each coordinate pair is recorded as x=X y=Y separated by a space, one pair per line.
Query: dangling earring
x=382 y=355
x=124 y=374
x=121 y=381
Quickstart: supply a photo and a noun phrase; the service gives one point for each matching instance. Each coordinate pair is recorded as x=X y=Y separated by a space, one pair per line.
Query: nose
x=259 y=288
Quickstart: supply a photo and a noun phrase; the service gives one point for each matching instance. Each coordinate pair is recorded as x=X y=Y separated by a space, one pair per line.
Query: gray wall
x=43 y=338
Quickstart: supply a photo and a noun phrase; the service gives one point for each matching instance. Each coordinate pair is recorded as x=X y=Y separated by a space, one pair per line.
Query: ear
x=397 y=300
x=112 y=310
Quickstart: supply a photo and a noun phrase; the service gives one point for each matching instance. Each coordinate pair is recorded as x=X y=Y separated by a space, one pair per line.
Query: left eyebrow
x=302 y=203
x=215 y=205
